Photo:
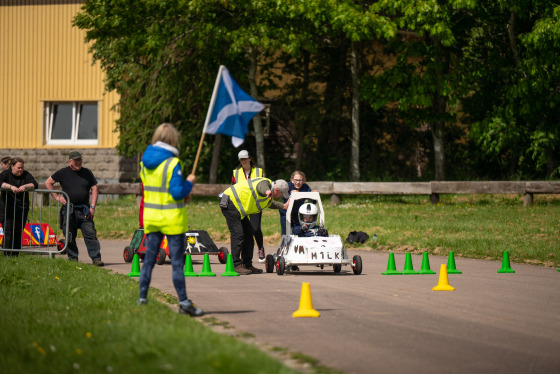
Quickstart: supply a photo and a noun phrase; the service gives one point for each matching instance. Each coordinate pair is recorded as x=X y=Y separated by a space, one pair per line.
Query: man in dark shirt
x=77 y=182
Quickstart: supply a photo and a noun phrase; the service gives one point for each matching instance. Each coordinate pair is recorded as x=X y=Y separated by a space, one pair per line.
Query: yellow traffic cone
x=305 y=303
x=443 y=284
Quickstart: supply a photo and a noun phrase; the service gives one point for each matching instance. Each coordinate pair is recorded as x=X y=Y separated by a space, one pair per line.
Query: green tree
x=360 y=23
x=421 y=80
x=149 y=50
x=330 y=42
x=487 y=68
x=514 y=109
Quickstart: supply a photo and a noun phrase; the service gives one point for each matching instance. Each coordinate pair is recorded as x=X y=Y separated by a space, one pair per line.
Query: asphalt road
x=373 y=323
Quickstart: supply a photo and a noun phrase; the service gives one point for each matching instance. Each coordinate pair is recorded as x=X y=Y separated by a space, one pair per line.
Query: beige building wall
x=43 y=58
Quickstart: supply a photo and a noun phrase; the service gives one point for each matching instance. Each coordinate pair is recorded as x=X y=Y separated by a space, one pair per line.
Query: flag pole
x=210 y=107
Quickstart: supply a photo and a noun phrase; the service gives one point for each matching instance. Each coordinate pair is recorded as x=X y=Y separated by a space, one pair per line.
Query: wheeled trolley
x=197 y=242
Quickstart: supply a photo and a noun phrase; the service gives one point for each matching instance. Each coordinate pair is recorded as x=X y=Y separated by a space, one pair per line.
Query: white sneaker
x=262 y=256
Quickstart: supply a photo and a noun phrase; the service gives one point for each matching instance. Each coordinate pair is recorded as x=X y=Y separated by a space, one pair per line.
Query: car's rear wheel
x=280 y=265
x=269 y=264
x=222 y=255
x=160 y=259
x=128 y=254
x=357 y=264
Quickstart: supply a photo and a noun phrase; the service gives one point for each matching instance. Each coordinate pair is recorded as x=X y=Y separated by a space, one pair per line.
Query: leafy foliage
x=466 y=89
x=513 y=109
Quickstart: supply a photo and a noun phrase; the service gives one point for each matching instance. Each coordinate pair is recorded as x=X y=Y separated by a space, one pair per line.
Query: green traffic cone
x=408 y=269
x=506 y=268
x=135 y=271
x=391 y=268
x=206 y=271
x=425 y=269
x=451 y=264
x=189 y=271
x=229 y=268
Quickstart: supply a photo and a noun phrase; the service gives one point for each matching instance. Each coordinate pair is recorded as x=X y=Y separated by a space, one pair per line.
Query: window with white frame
x=71 y=123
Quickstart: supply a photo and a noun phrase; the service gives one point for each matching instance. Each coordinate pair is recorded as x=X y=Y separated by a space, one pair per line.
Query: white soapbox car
x=317 y=251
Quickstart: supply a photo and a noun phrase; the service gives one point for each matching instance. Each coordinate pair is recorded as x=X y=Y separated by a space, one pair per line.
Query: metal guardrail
x=41 y=231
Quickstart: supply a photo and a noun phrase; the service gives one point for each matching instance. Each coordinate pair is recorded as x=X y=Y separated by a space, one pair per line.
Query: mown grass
x=58 y=316
x=471 y=226
x=478 y=226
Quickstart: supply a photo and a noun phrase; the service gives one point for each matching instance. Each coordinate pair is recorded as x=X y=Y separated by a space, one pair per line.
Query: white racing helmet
x=307 y=215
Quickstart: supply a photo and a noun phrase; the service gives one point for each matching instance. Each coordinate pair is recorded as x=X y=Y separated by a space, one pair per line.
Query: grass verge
x=59 y=317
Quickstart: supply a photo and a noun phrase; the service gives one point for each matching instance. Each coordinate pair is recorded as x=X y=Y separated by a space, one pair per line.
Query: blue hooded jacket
x=153 y=156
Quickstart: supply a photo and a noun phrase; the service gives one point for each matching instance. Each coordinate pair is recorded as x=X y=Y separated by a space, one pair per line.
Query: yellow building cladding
x=51 y=96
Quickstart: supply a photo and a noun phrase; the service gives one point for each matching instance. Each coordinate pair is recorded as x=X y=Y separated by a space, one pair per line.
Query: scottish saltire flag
x=38 y=233
x=230 y=109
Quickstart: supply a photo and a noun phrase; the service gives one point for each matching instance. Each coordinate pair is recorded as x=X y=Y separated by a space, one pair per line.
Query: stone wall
x=105 y=163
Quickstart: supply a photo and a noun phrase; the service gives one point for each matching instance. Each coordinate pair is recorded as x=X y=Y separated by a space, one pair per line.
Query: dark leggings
x=13 y=230
x=256 y=226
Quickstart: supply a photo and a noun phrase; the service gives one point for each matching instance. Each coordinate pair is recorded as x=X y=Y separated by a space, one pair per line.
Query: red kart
x=37 y=235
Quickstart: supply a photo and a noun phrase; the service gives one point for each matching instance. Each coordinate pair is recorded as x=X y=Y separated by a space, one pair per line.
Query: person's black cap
x=74 y=155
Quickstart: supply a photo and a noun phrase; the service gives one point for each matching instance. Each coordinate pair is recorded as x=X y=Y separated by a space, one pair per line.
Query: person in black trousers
x=17 y=182
x=77 y=182
x=5 y=165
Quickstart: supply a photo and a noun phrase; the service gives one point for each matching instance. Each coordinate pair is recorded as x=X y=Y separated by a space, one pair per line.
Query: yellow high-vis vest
x=245 y=197
x=255 y=173
x=162 y=213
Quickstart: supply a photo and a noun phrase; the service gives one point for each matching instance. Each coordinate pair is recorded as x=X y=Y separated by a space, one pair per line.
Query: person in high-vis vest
x=248 y=170
x=165 y=196
x=248 y=197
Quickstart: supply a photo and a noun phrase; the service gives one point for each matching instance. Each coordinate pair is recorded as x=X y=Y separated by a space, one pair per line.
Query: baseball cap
x=243 y=154
x=282 y=185
x=74 y=155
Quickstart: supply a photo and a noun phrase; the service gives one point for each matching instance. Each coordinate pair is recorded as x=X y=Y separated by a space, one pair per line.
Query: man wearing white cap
x=247 y=169
x=237 y=203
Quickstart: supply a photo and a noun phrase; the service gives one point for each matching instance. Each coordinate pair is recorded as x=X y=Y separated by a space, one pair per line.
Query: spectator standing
x=16 y=202
x=297 y=183
x=165 y=196
x=78 y=182
x=237 y=203
x=5 y=165
x=248 y=170
x=5 y=162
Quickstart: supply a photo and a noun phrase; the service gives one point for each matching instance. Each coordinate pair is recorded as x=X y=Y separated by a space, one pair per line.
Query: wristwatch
x=92 y=207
